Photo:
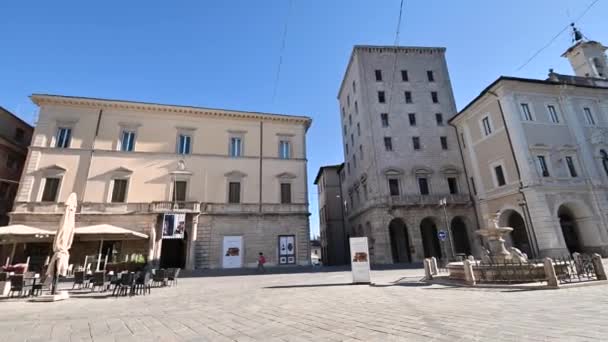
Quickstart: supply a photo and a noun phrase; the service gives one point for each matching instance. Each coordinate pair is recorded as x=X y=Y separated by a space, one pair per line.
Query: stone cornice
x=43 y=99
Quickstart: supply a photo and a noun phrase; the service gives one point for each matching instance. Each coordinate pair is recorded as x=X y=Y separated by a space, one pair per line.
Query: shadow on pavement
x=310 y=285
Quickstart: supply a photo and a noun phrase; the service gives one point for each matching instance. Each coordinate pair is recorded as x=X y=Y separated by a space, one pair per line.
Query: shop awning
x=107 y=232
x=19 y=232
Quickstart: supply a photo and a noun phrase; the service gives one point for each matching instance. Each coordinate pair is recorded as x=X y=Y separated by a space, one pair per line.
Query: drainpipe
x=261 y=165
x=84 y=188
x=530 y=232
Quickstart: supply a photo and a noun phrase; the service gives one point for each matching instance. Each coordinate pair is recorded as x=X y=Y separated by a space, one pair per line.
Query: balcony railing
x=180 y=207
x=252 y=208
x=429 y=200
x=114 y=208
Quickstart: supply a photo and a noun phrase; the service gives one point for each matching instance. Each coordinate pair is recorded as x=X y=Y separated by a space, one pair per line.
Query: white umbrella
x=63 y=241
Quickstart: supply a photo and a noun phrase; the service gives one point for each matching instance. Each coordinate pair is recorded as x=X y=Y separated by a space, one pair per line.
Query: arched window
x=604 y=160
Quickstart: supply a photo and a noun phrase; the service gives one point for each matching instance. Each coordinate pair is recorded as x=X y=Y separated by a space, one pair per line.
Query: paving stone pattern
x=307 y=306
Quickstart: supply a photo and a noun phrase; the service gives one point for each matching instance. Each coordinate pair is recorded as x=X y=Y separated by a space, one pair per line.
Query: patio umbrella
x=63 y=241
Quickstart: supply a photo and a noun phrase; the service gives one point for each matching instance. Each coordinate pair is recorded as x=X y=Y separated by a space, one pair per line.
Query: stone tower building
x=401 y=157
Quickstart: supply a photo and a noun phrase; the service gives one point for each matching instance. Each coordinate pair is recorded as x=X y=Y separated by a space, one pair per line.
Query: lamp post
x=444 y=202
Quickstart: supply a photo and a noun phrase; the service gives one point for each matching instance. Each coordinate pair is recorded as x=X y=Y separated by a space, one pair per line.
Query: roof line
x=321 y=170
x=16 y=117
x=301 y=117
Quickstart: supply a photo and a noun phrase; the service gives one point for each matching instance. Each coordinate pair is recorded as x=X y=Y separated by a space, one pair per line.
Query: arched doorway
x=430 y=241
x=460 y=237
x=400 y=245
x=519 y=235
x=569 y=229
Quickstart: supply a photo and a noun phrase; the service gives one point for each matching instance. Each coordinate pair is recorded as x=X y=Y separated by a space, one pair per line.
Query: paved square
x=273 y=308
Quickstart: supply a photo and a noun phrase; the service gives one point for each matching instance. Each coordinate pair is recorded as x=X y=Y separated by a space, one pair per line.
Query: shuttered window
x=285 y=193
x=119 y=191
x=234 y=192
x=51 y=188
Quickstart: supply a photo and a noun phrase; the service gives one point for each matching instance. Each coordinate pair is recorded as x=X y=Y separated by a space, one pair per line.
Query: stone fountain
x=498 y=252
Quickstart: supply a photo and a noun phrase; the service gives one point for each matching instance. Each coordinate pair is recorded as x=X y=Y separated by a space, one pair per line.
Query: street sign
x=442 y=235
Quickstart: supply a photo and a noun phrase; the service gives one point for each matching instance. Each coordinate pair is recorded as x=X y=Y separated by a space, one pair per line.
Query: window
x=343 y=113
x=408 y=97
x=179 y=191
x=404 y=76
x=119 y=191
x=348 y=167
x=378 y=74
x=604 y=156
x=552 y=114
x=361 y=152
x=384 y=119
x=348 y=100
x=183 y=144
x=452 y=185
x=381 y=98
x=354 y=87
x=358 y=129
x=500 y=176
x=588 y=116
x=365 y=191
x=234 y=192
x=64 y=135
x=352 y=139
x=542 y=165
x=439 y=119
x=356 y=108
x=388 y=144
x=434 y=97
x=346 y=147
x=473 y=186
x=430 y=76
x=571 y=168
x=236 y=147
x=51 y=189
x=285 y=193
x=462 y=138
x=412 y=118
x=19 y=134
x=487 y=129
x=444 y=143
x=284 y=149
x=525 y=110
x=127 y=142
x=354 y=161
x=416 y=143
x=393 y=187
x=11 y=162
x=345 y=130
x=350 y=120
x=423 y=185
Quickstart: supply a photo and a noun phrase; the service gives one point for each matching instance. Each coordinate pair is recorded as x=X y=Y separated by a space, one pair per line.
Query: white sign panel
x=359 y=260
x=174 y=226
x=287 y=249
x=232 y=256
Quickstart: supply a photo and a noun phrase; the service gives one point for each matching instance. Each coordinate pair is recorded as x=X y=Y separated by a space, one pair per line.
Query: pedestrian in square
x=261 y=262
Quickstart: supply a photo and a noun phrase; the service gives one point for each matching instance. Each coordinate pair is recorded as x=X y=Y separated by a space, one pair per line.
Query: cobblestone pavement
x=309 y=306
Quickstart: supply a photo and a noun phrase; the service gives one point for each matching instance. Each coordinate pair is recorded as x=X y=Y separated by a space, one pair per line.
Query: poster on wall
x=174 y=226
x=287 y=249
x=359 y=260
x=232 y=252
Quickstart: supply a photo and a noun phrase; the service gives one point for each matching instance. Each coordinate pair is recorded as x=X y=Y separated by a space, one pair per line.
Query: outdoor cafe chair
x=143 y=283
x=41 y=285
x=172 y=275
x=80 y=279
x=100 y=281
x=160 y=277
x=127 y=282
x=19 y=285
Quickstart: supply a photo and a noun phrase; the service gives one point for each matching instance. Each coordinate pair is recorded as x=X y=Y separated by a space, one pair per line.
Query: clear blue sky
x=225 y=53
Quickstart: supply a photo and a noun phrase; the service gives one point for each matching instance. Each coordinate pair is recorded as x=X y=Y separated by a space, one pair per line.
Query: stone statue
x=517 y=255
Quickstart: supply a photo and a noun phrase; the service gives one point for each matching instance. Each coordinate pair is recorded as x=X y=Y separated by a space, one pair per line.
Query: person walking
x=261 y=262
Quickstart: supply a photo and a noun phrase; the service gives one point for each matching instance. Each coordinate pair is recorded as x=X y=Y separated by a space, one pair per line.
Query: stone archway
x=519 y=235
x=400 y=245
x=460 y=237
x=430 y=241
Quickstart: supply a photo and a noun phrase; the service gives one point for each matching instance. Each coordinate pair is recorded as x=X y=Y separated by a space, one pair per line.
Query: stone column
x=550 y=273
x=600 y=272
x=469 y=275
x=191 y=256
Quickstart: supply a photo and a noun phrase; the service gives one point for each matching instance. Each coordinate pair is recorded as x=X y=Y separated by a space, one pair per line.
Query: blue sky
x=225 y=53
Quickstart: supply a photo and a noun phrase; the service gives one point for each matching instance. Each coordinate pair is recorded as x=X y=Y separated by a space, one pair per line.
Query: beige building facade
x=537 y=154
x=401 y=157
x=237 y=180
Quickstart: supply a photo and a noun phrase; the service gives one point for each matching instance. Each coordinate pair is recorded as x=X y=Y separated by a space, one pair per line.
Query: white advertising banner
x=232 y=256
x=174 y=226
x=359 y=260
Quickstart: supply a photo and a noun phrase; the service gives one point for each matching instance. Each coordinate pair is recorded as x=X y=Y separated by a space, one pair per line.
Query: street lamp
x=444 y=202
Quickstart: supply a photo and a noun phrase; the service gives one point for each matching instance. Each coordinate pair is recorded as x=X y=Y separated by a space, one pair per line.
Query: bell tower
x=587 y=57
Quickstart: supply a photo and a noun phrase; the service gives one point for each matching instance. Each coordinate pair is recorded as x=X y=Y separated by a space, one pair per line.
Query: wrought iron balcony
x=179 y=207
x=429 y=200
x=254 y=208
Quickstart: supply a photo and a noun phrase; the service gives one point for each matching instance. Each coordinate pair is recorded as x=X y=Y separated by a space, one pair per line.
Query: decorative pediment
x=537 y=147
x=421 y=170
x=450 y=169
x=235 y=174
x=567 y=148
x=53 y=170
x=392 y=171
x=121 y=172
x=286 y=175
